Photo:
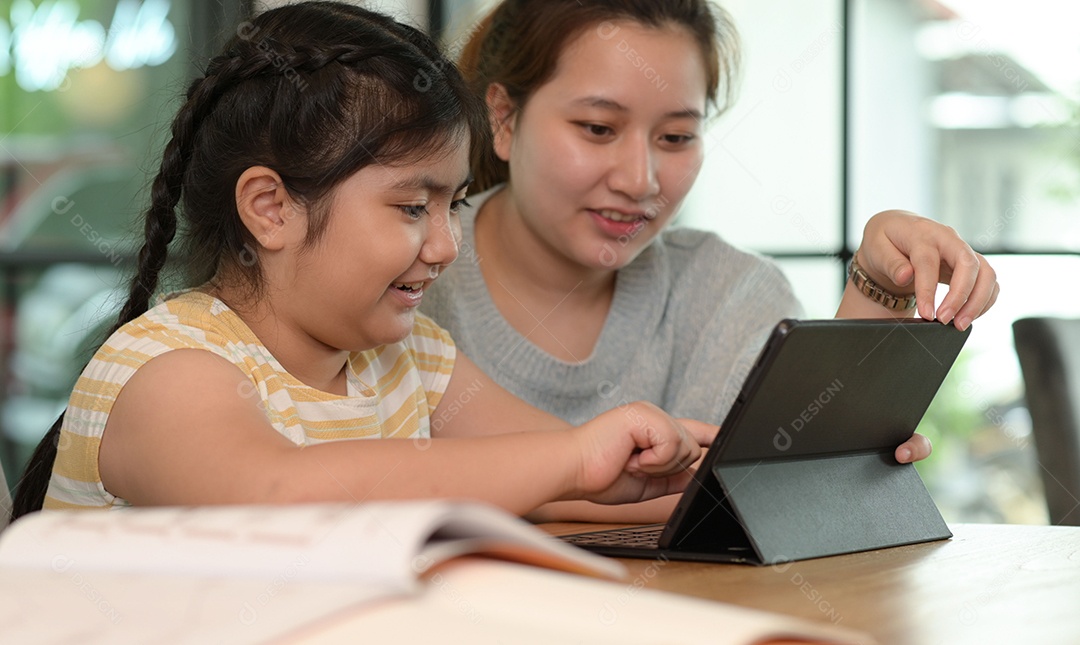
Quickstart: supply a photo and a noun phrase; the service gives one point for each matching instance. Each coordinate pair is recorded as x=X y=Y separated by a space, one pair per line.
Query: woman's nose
x=634 y=173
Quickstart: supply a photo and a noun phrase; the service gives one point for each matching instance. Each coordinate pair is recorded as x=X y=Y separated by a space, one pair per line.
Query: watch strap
x=872 y=290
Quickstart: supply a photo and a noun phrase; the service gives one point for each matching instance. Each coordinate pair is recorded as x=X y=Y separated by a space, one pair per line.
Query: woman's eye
x=597 y=130
x=678 y=139
x=458 y=204
x=415 y=211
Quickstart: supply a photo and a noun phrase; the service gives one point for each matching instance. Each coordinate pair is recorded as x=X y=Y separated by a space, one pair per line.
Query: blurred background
x=965 y=111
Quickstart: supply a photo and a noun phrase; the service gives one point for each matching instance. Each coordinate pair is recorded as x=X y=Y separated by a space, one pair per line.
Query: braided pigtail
x=160 y=227
x=31 y=487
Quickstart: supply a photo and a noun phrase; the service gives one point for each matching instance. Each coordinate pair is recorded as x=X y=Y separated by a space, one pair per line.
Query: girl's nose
x=443 y=236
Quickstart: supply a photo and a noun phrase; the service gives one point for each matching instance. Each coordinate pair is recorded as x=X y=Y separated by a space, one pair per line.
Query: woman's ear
x=503 y=113
x=265 y=207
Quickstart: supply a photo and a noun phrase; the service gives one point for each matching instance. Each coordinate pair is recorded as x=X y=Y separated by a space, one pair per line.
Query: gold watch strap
x=873 y=290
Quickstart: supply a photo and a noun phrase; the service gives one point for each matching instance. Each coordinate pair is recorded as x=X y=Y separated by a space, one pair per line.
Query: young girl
x=320 y=164
x=571 y=294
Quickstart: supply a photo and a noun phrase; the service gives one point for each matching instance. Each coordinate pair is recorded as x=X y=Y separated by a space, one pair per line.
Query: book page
x=381 y=543
x=246 y=574
x=484 y=601
x=479 y=529
x=335 y=573
x=104 y=608
x=331 y=541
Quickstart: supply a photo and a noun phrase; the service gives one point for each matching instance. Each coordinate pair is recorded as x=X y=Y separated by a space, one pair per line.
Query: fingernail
x=903 y=455
x=962 y=323
x=945 y=316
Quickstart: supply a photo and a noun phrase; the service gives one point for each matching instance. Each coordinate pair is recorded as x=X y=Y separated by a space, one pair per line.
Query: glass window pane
x=84 y=89
x=968 y=112
x=984 y=467
x=817 y=283
x=772 y=174
x=87 y=90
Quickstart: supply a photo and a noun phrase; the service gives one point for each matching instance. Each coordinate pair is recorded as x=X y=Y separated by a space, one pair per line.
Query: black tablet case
x=803 y=466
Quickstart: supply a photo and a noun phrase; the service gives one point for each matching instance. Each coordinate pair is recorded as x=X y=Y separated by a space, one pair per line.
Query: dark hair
x=519 y=43
x=315 y=91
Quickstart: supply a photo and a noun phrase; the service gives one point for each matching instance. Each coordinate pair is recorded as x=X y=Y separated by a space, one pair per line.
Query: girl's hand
x=905 y=254
x=637 y=452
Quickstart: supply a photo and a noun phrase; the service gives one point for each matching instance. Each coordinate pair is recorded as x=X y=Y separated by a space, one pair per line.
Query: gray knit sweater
x=688 y=318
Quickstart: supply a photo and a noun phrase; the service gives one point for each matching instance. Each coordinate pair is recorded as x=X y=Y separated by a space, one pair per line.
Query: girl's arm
x=474 y=405
x=182 y=432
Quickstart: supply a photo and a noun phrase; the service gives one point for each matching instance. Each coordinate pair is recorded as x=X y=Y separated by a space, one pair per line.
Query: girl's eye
x=414 y=211
x=458 y=204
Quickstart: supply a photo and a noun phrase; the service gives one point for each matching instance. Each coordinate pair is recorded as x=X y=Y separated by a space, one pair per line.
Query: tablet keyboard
x=639 y=537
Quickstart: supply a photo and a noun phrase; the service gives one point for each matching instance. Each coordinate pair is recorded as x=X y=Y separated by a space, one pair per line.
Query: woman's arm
x=182 y=432
x=906 y=254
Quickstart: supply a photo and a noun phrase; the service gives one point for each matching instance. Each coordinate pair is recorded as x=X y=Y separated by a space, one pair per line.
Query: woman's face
x=602 y=155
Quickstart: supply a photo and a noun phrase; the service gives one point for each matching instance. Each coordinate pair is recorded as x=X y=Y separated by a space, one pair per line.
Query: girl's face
x=392 y=229
x=602 y=155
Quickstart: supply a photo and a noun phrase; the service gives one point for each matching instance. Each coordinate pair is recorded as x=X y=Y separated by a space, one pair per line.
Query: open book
x=386 y=544
x=254 y=574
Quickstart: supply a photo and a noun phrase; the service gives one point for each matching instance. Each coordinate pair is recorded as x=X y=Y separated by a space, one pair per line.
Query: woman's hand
x=906 y=254
x=636 y=452
x=914 y=449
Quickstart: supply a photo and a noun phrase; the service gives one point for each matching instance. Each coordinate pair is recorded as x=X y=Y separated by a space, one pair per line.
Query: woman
x=570 y=293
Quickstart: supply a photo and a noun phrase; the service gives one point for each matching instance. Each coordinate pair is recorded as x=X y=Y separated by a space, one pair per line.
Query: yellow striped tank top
x=392 y=389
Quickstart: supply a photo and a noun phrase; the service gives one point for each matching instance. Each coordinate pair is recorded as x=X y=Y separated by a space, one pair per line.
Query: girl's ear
x=503 y=113
x=265 y=207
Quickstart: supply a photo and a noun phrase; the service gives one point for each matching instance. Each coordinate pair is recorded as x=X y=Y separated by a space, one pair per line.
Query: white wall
x=772 y=175
x=893 y=149
x=410 y=11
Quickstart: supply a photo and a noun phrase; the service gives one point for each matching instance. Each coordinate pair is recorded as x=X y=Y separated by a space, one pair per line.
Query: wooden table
x=988 y=584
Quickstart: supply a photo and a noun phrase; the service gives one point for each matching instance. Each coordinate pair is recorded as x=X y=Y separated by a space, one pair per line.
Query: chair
x=1049 y=353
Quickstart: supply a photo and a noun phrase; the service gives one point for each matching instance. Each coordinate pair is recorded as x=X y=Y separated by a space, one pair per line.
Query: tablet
x=803 y=465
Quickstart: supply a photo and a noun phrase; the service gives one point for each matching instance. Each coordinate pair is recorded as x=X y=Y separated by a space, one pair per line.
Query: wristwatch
x=873 y=291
